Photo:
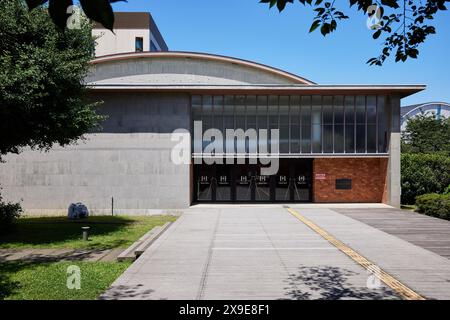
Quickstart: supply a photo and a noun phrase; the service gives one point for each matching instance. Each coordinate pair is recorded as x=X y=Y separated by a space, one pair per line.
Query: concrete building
x=133 y=32
x=439 y=109
x=336 y=143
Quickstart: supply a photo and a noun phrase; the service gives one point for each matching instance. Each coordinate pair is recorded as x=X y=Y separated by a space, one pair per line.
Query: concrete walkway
x=264 y=252
x=243 y=253
x=424 y=271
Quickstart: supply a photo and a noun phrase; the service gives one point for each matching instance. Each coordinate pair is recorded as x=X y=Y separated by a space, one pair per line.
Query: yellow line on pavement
x=406 y=292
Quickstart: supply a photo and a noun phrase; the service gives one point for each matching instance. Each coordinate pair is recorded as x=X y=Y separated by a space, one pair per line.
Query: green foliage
x=42 y=96
x=9 y=213
x=435 y=205
x=427 y=134
x=425 y=158
x=447 y=190
x=423 y=173
x=97 y=10
x=60 y=233
x=405 y=24
x=48 y=281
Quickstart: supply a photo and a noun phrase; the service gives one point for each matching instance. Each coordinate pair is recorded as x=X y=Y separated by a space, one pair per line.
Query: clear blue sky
x=248 y=30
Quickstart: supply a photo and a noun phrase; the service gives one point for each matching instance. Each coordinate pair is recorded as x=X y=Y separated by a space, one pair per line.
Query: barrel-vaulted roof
x=186 y=68
x=213 y=74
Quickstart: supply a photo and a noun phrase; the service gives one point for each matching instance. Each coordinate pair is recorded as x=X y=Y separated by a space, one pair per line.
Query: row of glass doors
x=244 y=182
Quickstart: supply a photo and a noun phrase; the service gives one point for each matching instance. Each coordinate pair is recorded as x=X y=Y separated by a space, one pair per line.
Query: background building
x=440 y=109
x=133 y=32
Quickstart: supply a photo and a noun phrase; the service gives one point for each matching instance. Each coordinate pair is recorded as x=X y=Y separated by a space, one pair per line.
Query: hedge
x=424 y=173
x=435 y=205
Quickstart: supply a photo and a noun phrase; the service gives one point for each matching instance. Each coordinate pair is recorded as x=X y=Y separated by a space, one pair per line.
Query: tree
x=423 y=173
x=97 y=10
x=405 y=24
x=426 y=134
x=42 y=70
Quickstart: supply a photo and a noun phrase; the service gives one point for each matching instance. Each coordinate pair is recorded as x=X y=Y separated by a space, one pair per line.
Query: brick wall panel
x=368 y=179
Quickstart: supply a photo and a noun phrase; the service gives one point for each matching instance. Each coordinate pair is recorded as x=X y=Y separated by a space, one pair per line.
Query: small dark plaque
x=343 y=184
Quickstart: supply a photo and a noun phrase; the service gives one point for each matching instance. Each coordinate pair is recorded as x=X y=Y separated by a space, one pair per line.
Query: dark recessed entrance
x=244 y=182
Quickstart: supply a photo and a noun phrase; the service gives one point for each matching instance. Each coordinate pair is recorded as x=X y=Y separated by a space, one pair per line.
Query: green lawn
x=27 y=280
x=48 y=281
x=59 y=232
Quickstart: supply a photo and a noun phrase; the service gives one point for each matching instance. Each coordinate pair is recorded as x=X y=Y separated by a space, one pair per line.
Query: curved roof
x=185 y=68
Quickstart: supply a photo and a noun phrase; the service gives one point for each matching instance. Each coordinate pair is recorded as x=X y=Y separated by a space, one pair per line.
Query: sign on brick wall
x=321 y=176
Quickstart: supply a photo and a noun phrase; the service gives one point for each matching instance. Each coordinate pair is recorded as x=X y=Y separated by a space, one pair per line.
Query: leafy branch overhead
x=404 y=24
x=97 y=10
x=43 y=100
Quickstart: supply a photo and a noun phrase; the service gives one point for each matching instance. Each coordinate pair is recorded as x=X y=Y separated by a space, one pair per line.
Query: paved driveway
x=248 y=253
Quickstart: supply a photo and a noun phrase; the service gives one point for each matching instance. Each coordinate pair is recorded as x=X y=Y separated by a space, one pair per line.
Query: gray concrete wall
x=178 y=70
x=129 y=160
x=394 y=187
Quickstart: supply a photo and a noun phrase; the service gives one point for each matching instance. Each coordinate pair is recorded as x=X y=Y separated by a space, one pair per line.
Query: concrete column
x=394 y=167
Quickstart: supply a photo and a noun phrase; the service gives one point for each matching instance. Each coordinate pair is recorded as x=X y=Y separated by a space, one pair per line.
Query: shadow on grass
x=70 y=255
x=7 y=285
x=331 y=283
x=51 y=230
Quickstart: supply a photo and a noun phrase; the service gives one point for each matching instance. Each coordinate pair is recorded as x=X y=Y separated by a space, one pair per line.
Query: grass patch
x=48 y=281
x=61 y=233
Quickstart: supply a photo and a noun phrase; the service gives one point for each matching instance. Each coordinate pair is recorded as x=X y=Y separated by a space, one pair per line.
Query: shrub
x=435 y=205
x=9 y=213
x=424 y=173
x=447 y=190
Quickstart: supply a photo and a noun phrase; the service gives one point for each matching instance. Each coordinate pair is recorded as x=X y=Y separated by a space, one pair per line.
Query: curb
x=138 y=248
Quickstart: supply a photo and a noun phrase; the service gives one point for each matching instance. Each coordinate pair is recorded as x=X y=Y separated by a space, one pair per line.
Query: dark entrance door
x=301 y=182
x=244 y=182
x=223 y=183
x=204 y=178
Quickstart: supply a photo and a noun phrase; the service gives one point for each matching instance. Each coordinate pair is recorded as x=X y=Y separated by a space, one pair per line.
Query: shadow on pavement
x=331 y=283
x=127 y=292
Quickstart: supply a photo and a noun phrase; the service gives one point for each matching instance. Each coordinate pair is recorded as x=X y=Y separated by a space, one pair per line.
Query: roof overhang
x=401 y=90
